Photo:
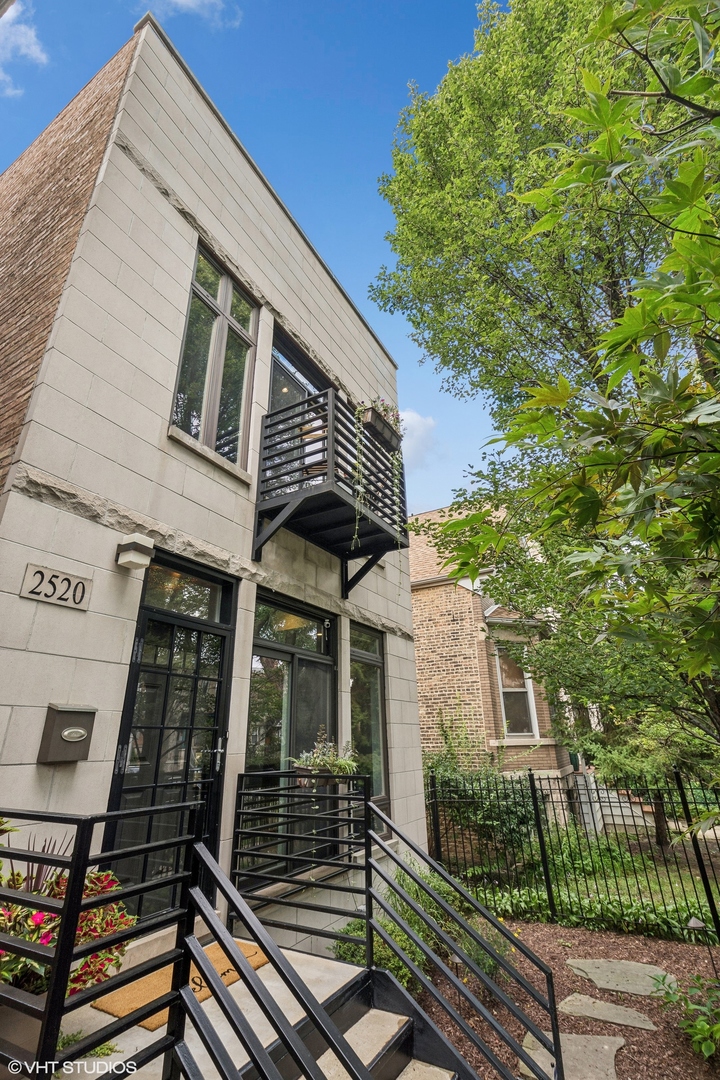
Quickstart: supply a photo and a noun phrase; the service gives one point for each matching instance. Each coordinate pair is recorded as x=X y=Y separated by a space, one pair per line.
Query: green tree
x=492 y=309
x=631 y=474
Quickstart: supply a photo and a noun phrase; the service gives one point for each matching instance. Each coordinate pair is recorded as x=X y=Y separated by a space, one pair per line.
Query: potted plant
x=382 y=420
x=324 y=758
x=25 y=923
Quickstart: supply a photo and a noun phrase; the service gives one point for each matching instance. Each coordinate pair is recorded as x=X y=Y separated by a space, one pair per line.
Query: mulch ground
x=647 y=1055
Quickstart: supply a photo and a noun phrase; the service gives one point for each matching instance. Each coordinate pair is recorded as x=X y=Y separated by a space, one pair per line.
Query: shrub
x=700 y=1011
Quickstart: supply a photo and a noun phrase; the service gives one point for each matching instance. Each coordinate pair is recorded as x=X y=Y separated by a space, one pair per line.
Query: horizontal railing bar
x=122 y=978
x=468 y=897
x=304 y=859
x=455 y=1016
x=20 y=1000
x=323 y=837
x=116 y=1027
x=27 y=855
x=143 y=887
x=143 y=1057
x=489 y=983
x=140 y=849
x=307 y=402
x=465 y=926
x=301 y=992
x=76 y=819
x=233 y=1014
x=262 y=995
x=31 y=950
x=335 y=935
x=321 y=883
x=140 y=929
x=305 y=905
x=287 y=815
x=32 y=900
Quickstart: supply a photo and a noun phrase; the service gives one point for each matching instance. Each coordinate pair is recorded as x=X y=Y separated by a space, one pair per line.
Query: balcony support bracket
x=350 y=583
x=262 y=537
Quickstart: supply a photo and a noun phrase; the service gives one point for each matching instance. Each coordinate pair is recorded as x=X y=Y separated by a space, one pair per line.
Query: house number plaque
x=56 y=587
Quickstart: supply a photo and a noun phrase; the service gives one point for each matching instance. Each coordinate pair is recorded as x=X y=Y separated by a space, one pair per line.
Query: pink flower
x=38 y=918
x=46 y=938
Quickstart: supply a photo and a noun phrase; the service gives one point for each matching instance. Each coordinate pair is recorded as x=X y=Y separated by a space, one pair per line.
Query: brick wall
x=446 y=652
x=43 y=198
x=424 y=559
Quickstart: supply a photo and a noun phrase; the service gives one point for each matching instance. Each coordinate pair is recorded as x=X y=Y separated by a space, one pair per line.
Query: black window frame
x=302 y=364
x=383 y=801
x=224 y=322
x=294 y=653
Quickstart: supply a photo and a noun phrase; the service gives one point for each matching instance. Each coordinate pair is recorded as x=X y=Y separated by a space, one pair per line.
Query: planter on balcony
x=384 y=432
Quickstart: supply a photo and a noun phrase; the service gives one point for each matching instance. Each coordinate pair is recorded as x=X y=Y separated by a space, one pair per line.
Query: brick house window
x=215 y=367
x=516 y=694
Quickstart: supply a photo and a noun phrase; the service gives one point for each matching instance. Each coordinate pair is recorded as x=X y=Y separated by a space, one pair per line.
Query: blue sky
x=313 y=89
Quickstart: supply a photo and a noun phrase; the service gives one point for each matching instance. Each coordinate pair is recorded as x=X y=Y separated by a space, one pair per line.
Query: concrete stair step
x=368 y=1038
x=420 y=1070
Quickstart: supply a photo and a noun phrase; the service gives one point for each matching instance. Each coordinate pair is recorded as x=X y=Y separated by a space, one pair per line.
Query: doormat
x=128 y=998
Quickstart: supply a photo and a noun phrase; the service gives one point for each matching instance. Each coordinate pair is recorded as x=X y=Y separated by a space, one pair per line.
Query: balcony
x=327 y=477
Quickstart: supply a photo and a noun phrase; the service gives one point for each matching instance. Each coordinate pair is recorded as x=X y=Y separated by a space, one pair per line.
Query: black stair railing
x=52 y=1007
x=449 y=950
x=287 y=1034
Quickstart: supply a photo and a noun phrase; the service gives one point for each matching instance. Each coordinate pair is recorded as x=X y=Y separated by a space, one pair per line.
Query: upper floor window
x=292 y=379
x=516 y=691
x=214 y=368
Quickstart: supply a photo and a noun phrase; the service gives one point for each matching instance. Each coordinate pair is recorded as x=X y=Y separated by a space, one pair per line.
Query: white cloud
x=18 y=41
x=219 y=13
x=418 y=438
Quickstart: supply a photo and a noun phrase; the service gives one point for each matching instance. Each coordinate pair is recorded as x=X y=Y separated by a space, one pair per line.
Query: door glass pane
x=268 y=722
x=182 y=593
x=240 y=309
x=210 y=655
x=179 y=703
x=156 y=647
x=142 y=756
x=173 y=756
x=368 y=741
x=208 y=276
x=231 y=393
x=187 y=414
x=313 y=705
x=185 y=650
x=273 y=624
x=517 y=713
x=289 y=386
x=150 y=699
x=201 y=757
x=206 y=703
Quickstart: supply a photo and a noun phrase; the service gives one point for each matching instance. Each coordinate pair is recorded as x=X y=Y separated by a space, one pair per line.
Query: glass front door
x=173 y=732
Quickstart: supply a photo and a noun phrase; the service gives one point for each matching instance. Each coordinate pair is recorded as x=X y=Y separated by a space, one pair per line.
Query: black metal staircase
x=312 y=849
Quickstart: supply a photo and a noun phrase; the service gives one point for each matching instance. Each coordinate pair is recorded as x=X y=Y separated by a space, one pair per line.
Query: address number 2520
x=56 y=587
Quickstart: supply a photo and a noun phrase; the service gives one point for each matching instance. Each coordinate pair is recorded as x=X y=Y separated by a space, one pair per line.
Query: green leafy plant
x=699 y=1011
x=72 y=1038
x=42 y=927
x=325 y=757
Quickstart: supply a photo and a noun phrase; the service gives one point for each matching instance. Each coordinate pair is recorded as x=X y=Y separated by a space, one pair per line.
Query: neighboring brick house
x=465 y=678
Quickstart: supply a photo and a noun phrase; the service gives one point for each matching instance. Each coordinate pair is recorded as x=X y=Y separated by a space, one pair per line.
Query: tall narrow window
x=517 y=696
x=214 y=368
x=367 y=708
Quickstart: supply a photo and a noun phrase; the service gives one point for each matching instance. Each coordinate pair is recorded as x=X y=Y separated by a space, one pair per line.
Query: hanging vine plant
x=359 y=470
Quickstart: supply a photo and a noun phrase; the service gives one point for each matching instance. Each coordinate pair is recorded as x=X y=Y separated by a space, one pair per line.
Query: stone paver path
x=585 y=1057
x=580 y=1005
x=624 y=976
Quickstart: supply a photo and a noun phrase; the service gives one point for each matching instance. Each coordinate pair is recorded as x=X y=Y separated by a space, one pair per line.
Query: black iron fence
x=614 y=856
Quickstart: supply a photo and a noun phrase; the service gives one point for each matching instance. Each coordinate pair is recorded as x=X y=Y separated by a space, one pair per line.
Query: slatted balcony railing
x=326 y=477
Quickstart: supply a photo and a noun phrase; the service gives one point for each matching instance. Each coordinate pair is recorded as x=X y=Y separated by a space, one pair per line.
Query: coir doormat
x=128 y=998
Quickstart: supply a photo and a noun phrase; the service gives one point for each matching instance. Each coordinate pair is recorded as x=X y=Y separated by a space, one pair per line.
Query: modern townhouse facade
x=468 y=683
x=202 y=546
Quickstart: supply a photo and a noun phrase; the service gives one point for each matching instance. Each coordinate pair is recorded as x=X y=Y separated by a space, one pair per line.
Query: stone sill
x=522 y=741
x=209 y=455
